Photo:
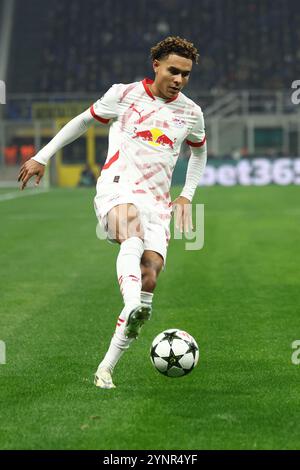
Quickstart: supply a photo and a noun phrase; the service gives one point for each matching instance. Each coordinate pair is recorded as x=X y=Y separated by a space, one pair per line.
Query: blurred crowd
x=86 y=45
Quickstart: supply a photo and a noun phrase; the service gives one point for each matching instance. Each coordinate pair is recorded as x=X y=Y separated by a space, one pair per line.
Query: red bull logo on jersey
x=155 y=137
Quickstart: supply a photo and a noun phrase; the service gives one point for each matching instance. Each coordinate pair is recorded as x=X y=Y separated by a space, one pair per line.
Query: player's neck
x=155 y=91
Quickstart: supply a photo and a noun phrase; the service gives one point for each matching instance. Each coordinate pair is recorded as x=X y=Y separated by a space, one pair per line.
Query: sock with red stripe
x=118 y=344
x=129 y=271
x=130 y=281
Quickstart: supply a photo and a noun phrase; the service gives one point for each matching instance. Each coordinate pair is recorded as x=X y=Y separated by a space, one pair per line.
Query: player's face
x=171 y=75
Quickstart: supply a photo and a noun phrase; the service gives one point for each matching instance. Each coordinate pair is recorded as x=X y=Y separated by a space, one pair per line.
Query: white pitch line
x=15 y=195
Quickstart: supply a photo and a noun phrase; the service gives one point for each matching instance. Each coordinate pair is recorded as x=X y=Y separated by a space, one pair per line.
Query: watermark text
x=128 y=222
x=296 y=354
x=296 y=94
x=2 y=352
x=2 y=92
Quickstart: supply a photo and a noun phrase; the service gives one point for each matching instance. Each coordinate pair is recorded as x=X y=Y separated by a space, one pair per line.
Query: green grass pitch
x=238 y=296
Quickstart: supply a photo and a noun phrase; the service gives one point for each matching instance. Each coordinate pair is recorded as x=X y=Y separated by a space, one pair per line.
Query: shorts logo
x=116 y=179
x=114 y=197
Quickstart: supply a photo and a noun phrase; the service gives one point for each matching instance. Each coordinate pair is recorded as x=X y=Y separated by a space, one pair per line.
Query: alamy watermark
x=2 y=352
x=296 y=94
x=296 y=354
x=196 y=235
x=183 y=228
x=2 y=92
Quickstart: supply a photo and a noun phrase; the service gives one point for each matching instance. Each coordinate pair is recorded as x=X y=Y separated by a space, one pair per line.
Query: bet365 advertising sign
x=256 y=172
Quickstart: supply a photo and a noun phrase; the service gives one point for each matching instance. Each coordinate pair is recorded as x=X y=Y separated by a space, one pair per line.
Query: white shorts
x=155 y=225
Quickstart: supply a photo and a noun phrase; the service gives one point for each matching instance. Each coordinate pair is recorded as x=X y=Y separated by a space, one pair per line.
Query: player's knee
x=129 y=232
x=149 y=280
x=135 y=229
x=125 y=223
x=127 y=229
x=132 y=224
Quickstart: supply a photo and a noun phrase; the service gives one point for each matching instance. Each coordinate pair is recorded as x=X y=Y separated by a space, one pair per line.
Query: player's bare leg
x=151 y=266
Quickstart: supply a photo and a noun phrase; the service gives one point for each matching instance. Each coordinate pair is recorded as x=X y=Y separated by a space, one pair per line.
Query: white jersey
x=145 y=136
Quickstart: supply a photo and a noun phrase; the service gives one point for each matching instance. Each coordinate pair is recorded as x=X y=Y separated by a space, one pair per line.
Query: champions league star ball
x=174 y=353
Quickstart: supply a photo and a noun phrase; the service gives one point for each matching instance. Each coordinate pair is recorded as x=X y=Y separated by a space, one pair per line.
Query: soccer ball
x=174 y=353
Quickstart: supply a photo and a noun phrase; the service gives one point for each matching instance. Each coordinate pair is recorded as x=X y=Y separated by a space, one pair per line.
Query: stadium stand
x=26 y=47
x=85 y=45
x=63 y=55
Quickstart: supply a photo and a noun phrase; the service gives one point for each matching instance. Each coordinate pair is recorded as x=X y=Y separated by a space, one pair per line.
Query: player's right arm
x=70 y=132
x=103 y=111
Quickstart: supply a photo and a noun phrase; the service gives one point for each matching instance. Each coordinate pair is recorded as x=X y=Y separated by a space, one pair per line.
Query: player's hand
x=182 y=210
x=29 y=169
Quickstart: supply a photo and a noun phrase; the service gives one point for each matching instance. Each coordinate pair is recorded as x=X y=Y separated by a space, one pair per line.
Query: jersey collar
x=148 y=81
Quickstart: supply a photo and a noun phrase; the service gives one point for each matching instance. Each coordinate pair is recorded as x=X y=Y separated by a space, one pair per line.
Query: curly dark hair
x=175 y=45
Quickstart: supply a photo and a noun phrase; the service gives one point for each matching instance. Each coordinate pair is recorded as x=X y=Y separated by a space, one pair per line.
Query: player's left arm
x=182 y=206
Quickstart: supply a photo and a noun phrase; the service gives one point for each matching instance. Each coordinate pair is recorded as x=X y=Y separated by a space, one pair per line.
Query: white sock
x=146 y=298
x=119 y=343
x=130 y=280
x=129 y=270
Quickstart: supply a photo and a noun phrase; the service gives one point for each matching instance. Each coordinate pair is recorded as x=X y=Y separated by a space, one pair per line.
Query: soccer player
x=148 y=121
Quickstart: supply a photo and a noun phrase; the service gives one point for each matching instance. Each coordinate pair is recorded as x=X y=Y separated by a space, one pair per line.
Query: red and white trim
x=196 y=144
x=113 y=159
x=148 y=81
x=98 y=118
